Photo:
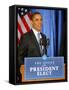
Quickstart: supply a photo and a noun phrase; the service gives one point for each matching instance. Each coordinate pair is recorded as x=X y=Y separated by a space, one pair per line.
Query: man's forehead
x=37 y=16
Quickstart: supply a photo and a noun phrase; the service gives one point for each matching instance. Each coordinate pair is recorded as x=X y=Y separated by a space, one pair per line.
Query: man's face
x=37 y=22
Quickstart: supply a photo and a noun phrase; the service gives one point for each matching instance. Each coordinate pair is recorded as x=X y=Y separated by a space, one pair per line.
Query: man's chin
x=39 y=30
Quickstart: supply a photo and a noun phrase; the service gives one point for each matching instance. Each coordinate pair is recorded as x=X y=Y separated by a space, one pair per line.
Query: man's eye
x=36 y=19
x=41 y=20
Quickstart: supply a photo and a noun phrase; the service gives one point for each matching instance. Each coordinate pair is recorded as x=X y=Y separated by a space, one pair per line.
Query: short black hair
x=33 y=14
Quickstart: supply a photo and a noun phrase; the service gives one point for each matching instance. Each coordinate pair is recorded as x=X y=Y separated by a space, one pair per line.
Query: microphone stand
x=45 y=46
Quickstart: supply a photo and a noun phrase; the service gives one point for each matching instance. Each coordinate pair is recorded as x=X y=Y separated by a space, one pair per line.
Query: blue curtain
x=52 y=28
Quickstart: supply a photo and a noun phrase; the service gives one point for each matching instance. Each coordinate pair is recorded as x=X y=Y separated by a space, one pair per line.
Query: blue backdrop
x=52 y=28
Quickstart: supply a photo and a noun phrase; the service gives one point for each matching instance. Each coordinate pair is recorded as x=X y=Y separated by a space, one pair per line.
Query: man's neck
x=36 y=31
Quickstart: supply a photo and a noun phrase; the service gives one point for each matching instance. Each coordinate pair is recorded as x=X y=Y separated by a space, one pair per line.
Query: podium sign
x=41 y=68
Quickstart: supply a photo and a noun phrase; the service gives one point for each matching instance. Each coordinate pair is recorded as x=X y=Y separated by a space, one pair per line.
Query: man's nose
x=40 y=21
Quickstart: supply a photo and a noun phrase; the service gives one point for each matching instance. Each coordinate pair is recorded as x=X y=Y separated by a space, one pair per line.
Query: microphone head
x=44 y=42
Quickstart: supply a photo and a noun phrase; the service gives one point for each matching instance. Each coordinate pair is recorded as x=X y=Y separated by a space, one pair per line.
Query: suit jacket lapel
x=35 y=41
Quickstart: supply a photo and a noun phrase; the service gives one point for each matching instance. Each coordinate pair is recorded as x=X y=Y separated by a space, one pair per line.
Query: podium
x=43 y=69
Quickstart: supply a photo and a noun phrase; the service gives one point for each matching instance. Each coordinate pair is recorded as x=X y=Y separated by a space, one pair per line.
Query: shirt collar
x=35 y=31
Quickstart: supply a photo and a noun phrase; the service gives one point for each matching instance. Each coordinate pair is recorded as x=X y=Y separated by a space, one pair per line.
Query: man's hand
x=22 y=72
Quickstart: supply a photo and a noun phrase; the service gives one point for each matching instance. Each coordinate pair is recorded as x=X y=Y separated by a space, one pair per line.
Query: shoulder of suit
x=27 y=35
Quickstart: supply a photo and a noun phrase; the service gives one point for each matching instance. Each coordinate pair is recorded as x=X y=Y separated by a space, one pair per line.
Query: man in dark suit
x=30 y=42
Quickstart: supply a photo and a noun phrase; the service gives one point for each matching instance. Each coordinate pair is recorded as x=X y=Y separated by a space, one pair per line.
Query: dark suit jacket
x=28 y=47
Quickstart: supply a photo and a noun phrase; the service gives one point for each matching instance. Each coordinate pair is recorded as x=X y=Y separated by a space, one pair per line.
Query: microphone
x=44 y=42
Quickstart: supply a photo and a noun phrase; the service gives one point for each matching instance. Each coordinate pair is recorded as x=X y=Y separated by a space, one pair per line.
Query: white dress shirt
x=38 y=39
x=36 y=34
